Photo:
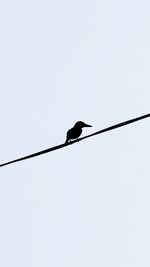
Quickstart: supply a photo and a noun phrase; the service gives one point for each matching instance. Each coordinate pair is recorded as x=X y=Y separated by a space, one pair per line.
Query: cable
x=75 y=141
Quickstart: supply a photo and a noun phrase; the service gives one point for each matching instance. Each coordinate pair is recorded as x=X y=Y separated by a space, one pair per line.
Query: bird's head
x=81 y=124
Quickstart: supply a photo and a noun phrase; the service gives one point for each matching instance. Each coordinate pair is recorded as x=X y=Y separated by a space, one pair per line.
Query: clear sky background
x=87 y=204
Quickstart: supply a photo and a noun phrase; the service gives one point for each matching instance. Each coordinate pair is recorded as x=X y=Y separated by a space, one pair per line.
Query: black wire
x=80 y=139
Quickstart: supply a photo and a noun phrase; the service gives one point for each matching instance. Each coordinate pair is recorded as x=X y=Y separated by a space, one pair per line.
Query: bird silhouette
x=76 y=131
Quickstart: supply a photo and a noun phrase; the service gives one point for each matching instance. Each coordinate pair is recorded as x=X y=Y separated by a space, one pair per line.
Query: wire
x=75 y=141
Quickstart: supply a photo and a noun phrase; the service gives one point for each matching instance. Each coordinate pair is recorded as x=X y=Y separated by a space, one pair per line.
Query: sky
x=86 y=204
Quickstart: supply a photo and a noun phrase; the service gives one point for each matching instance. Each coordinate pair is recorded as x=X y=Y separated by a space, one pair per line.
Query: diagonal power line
x=80 y=139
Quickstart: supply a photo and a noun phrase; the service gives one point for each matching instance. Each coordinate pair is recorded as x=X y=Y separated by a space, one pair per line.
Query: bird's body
x=76 y=131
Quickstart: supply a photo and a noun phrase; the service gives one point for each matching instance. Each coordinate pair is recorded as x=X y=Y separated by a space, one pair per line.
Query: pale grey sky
x=87 y=204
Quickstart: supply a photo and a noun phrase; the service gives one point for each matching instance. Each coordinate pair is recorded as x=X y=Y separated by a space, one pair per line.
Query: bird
x=76 y=131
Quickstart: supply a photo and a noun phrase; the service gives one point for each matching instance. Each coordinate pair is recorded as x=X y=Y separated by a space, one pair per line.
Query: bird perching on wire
x=76 y=131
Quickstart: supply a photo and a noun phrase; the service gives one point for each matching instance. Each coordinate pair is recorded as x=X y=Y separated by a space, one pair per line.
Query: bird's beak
x=87 y=125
